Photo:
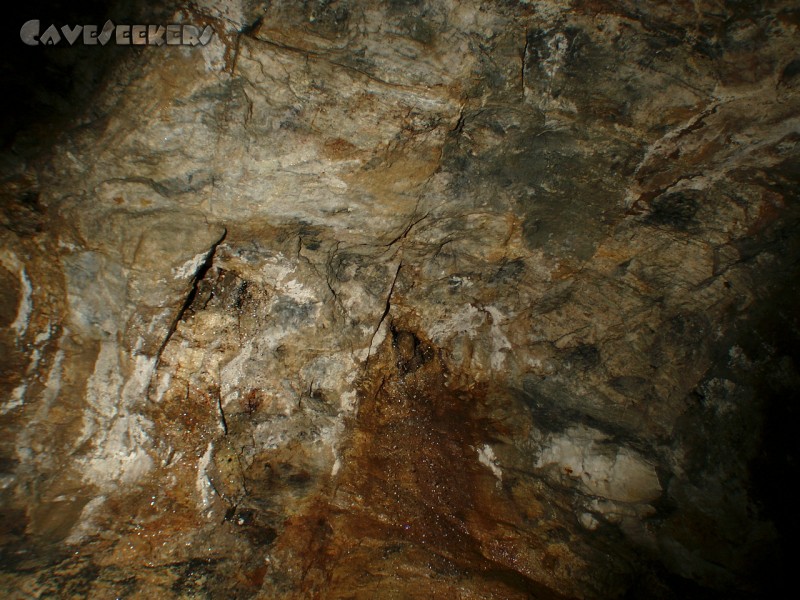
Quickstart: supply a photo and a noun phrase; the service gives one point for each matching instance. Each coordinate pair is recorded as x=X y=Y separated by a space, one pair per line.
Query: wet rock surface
x=410 y=299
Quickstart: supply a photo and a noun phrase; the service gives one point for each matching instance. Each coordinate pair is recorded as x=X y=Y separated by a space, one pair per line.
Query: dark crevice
x=199 y=276
x=386 y=310
x=406 y=231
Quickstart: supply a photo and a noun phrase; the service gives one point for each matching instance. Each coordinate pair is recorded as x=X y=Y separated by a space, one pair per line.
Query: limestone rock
x=409 y=299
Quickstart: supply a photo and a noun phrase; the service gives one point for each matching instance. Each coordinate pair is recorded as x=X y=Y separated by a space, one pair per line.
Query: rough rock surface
x=411 y=299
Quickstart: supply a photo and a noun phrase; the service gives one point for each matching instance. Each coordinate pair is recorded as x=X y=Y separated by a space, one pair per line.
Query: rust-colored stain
x=413 y=513
x=769 y=210
x=338 y=148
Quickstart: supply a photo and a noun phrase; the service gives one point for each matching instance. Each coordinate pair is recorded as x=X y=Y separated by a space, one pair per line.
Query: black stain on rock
x=509 y=271
x=630 y=385
x=676 y=210
x=790 y=72
x=410 y=352
x=582 y=357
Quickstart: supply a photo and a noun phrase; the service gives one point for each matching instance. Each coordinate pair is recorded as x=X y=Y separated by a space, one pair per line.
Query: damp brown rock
x=408 y=299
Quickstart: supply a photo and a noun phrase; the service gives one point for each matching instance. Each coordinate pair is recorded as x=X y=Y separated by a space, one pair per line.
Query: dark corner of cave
x=375 y=299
